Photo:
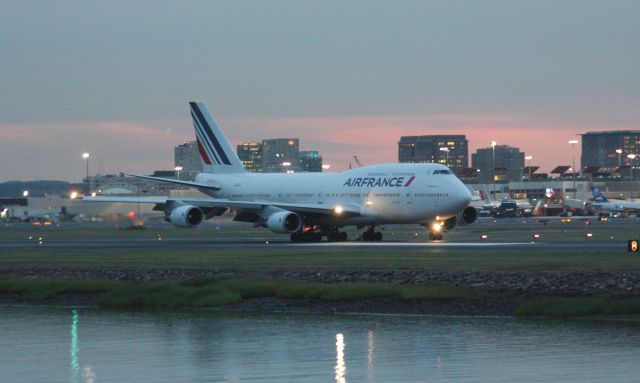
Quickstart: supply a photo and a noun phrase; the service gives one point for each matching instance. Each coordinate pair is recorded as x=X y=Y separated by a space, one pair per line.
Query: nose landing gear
x=435 y=236
x=435 y=231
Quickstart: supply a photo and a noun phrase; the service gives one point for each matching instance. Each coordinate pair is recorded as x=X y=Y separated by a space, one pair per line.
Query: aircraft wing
x=348 y=209
x=179 y=182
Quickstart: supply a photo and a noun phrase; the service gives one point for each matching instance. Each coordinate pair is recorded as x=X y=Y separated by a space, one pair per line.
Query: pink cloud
x=53 y=150
x=374 y=139
x=37 y=151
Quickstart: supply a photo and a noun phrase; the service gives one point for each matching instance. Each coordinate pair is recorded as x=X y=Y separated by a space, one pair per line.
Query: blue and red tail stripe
x=211 y=141
x=203 y=153
x=204 y=141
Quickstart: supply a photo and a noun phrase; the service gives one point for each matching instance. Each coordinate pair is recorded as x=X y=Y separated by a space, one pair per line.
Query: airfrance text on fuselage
x=378 y=181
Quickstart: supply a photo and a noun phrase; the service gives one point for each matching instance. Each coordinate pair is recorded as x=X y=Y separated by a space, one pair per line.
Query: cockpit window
x=442 y=171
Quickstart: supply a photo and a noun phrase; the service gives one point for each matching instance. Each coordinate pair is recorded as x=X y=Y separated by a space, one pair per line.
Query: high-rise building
x=599 y=148
x=187 y=156
x=280 y=154
x=449 y=150
x=250 y=154
x=502 y=162
x=309 y=161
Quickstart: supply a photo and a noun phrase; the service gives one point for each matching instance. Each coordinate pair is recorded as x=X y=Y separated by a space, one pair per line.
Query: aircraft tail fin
x=598 y=196
x=216 y=152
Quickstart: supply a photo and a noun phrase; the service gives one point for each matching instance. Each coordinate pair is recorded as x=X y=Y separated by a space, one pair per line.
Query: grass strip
x=579 y=258
x=212 y=292
x=576 y=307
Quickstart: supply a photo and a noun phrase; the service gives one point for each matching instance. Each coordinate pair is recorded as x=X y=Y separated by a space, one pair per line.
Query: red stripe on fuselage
x=410 y=181
x=203 y=154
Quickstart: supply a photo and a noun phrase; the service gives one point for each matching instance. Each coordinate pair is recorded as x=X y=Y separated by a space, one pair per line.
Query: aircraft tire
x=336 y=236
x=435 y=236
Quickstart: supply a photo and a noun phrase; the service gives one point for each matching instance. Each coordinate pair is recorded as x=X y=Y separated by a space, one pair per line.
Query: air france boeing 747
x=310 y=206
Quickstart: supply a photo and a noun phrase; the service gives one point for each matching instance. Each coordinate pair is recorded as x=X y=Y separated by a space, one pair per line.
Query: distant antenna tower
x=357 y=161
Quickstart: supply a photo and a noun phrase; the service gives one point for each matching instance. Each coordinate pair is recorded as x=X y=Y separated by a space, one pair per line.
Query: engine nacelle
x=450 y=223
x=284 y=222
x=468 y=215
x=186 y=216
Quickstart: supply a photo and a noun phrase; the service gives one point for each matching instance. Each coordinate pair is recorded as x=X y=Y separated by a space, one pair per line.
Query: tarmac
x=557 y=237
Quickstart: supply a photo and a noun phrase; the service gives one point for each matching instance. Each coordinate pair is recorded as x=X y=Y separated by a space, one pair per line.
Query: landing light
x=338 y=209
x=484 y=236
x=589 y=235
x=536 y=235
x=436 y=227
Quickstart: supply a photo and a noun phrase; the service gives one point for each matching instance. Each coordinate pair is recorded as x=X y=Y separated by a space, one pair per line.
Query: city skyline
x=349 y=79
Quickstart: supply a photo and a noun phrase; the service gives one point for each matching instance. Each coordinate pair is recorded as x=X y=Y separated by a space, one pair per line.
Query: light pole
x=573 y=165
x=446 y=154
x=86 y=156
x=493 y=168
x=177 y=169
x=529 y=158
x=631 y=157
x=619 y=151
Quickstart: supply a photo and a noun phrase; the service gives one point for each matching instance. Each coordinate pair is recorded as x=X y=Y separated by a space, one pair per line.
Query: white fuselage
x=387 y=193
x=617 y=205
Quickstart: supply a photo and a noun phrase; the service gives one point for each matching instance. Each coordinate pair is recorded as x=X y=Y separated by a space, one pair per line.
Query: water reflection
x=73 y=349
x=370 y=356
x=341 y=367
x=88 y=375
x=287 y=348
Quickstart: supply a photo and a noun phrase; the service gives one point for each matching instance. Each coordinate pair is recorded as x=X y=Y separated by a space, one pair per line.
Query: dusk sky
x=346 y=77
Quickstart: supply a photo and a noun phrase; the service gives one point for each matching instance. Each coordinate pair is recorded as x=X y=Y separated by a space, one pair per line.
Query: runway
x=218 y=243
x=505 y=235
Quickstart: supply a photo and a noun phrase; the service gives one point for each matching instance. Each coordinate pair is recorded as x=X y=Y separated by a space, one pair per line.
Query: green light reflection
x=75 y=367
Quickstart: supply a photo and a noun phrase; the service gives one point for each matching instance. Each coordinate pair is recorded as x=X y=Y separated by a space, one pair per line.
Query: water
x=86 y=345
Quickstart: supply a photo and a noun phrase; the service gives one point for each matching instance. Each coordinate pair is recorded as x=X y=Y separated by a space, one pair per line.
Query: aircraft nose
x=463 y=194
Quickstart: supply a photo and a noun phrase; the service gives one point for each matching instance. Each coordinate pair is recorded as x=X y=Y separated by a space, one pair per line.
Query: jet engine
x=468 y=215
x=284 y=222
x=450 y=223
x=186 y=216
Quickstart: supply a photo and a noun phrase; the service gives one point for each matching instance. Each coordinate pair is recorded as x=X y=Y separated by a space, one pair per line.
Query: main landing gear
x=308 y=234
x=372 y=235
x=336 y=236
x=314 y=234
